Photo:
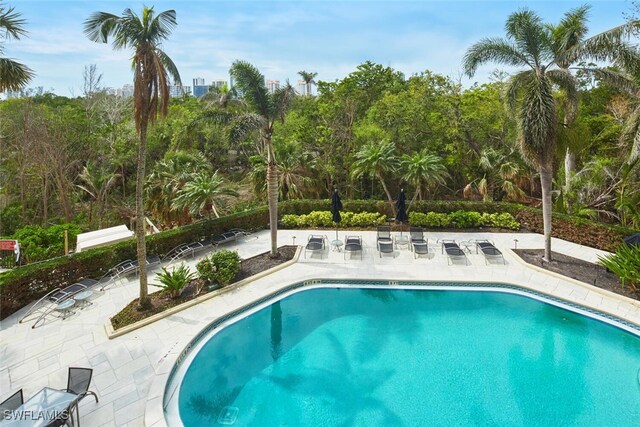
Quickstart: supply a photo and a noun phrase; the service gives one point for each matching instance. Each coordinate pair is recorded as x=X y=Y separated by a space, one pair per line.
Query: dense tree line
x=369 y=134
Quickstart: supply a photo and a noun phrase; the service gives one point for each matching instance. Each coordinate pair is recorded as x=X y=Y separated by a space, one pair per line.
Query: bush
x=38 y=243
x=625 y=264
x=430 y=220
x=500 y=220
x=462 y=219
x=317 y=219
x=206 y=270
x=175 y=280
x=226 y=265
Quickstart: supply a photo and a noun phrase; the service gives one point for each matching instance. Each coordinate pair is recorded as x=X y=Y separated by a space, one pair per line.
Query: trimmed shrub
x=226 y=264
x=429 y=220
x=317 y=219
x=38 y=243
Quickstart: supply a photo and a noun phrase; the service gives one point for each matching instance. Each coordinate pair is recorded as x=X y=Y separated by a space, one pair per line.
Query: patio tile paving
x=125 y=367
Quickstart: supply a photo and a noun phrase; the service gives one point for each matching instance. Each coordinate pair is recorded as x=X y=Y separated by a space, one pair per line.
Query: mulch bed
x=161 y=301
x=584 y=271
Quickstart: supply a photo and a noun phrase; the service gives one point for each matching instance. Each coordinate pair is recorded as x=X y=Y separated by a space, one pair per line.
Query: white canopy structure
x=105 y=236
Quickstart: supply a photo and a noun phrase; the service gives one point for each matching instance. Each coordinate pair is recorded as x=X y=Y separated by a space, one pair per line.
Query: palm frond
x=493 y=50
x=169 y=66
x=570 y=32
x=100 y=25
x=569 y=85
x=621 y=81
x=243 y=124
x=251 y=82
x=14 y=75
x=11 y=23
x=515 y=84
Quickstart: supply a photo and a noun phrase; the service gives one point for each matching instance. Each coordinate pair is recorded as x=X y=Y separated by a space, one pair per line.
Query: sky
x=282 y=37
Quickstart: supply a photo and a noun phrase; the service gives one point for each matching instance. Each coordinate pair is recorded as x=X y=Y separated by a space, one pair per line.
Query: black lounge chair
x=124 y=269
x=453 y=251
x=353 y=244
x=384 y=233
x=186 y=249
x=385 y=247
x=489 y=251
x=232 y=235
x=416 y=235
x=11 y=403
x=60 y=300
x=315 y=243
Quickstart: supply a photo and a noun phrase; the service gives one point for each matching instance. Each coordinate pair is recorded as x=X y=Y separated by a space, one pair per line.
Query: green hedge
x=23 y=285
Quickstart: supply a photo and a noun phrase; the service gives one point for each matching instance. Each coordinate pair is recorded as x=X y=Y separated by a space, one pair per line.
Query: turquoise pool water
x=374 y=357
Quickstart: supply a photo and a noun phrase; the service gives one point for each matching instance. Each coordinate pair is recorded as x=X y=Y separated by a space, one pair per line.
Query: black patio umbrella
x=336 y=207
x=634 y=239
x=401 y=206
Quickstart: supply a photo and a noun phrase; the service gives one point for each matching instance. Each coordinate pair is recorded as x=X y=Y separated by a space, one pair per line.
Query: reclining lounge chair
x=489 y=251
x=419 y=245
x=315 y=243
x=453 y=251
x=353 y=244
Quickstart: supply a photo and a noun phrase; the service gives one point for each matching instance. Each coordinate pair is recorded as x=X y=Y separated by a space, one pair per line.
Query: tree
x=307 y=77
x=423 y=170
x=266 y=109
x=98 y=181
x=202 y=193
x=376 y=159
x=13 y=75
x=566 y=36
x=529 y=44
x=152 y=69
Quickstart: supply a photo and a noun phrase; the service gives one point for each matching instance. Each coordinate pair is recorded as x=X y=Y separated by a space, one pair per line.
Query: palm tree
x=13 y=75
x=423 y=170
x=166 y=179
x=202 y=193
x=529 y=44
x=376 y=159
x=267 y=108
x=152 y=69
x=567 y=36
x=97 y=184
x=307 y=77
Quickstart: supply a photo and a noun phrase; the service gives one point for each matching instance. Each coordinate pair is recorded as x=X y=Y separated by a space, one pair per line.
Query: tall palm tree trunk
x=141 y=247
x=569 y=169
x=546 y=177
x=386 y=191
x=272 y=196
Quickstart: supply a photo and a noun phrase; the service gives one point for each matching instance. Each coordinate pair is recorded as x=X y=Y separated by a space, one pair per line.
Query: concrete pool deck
x=125 y=367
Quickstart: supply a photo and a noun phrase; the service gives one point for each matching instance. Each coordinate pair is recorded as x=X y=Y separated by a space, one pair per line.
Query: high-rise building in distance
x=199 y=87
x=273 y=85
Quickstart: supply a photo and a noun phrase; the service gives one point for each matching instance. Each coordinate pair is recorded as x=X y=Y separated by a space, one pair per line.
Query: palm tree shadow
x=350 y=389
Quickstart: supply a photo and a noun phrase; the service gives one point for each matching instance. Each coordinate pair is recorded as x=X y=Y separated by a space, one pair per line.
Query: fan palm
x=13 y=75
x=166 y=179
x=152 y=69
x=202 y=193
x=529 y=44
x=375 y=160
x=423 y=170
x=307 y=77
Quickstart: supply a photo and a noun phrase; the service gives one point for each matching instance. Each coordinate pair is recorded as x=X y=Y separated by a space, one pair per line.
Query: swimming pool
x=372 y=356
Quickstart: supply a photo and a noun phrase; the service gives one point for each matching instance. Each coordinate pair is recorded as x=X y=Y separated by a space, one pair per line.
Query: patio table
x=42 y=409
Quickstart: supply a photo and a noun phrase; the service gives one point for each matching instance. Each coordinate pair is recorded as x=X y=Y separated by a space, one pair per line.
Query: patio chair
x=78 y=382
x=11 y=403
x=385 y=247
x=232 y=235
x=60 y=300
x=420 y=248
x=384 y=233
x=353 y=244
x=416 y=235
x=489 y=251
x=453 y=251
x=315 y=243
x=125 y=269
